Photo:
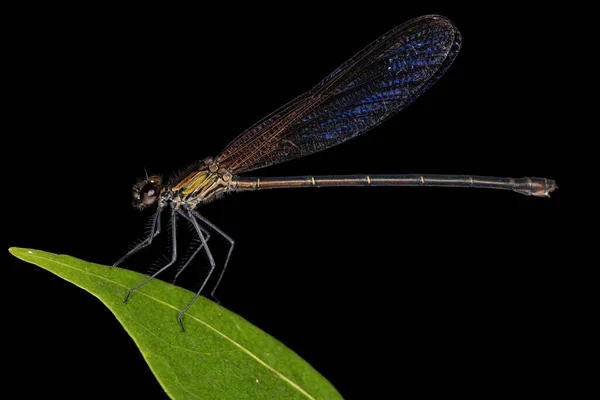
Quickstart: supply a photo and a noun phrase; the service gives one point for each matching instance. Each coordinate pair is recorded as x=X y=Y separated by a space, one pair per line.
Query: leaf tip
x=19 y=251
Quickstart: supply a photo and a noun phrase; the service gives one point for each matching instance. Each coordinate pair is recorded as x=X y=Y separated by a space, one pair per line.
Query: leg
x=173 y=256
x=195 y=251
x=154 y=231
x=212 y=267
x=231 y=242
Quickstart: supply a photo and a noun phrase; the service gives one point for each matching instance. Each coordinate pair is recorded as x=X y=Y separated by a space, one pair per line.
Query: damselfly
x=372 y=86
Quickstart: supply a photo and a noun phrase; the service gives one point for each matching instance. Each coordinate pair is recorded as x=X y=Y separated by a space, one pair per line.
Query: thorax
x=201 y=185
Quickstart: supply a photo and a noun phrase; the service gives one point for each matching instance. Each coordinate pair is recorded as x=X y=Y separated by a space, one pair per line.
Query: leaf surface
x=219 y=356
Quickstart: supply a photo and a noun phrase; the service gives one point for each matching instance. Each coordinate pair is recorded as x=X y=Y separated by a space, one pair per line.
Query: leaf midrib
x=245 y=350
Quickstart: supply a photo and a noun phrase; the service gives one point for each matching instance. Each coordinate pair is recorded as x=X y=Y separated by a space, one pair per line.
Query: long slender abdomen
x=529 y=186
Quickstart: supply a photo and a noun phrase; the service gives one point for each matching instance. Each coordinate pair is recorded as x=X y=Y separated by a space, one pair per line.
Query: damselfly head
x=147 y=191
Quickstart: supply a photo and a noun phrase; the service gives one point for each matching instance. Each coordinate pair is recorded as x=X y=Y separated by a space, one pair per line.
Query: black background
x=385 y=291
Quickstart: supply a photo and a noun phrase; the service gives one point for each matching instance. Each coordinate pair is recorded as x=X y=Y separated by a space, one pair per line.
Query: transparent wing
x=373 y=85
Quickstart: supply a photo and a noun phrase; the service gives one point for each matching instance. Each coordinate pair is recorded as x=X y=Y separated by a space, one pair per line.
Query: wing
x=373 y=85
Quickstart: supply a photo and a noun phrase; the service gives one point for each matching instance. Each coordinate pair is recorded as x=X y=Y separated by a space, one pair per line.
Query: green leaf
x=219 y=356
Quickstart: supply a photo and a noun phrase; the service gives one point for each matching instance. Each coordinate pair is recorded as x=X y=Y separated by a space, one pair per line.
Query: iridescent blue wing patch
x=373 y=85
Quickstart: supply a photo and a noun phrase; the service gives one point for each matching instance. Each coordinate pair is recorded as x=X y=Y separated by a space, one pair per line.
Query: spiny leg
x=195 y=251
x=154 y=231
x=231 y=242
x=188 y=215
x=212 y=267
x=173 y=255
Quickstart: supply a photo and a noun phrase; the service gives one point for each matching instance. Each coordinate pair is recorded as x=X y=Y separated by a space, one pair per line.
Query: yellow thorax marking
x=191 y=182
x=200 y=180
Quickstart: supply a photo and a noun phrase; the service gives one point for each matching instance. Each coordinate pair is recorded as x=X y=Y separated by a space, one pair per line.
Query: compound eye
x=149 y=193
